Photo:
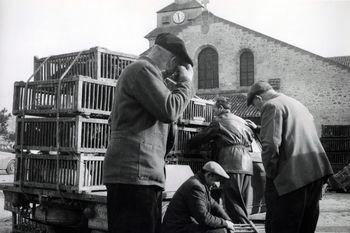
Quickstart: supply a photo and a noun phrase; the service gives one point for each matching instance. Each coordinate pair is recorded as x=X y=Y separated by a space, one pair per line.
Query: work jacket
x=142 y=110
x=233 y=139
x=192 y=205
x=292 y=154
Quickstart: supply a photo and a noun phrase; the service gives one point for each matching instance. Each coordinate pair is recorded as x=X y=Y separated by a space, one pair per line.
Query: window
x=166 y=20
x=246 y=68
x=208 y=76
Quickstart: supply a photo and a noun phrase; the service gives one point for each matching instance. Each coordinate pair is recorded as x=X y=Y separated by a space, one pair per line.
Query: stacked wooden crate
x=336 y=142
x=197 y=115
x=62 y=119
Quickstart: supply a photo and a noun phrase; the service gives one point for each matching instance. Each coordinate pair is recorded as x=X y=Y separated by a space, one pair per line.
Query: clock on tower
x=178 y=17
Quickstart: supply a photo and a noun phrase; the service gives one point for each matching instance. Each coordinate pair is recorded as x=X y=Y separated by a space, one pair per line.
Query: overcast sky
x=49 y=27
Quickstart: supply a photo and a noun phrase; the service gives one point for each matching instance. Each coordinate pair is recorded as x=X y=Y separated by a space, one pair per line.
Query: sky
x=41 y=28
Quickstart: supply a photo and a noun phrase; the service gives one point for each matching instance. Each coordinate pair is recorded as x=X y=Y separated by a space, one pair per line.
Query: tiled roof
x=344 y=60
x=238 y=104
x=175 y=7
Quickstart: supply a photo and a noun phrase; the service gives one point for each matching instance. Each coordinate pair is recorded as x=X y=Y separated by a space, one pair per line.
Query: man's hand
x=251 y=124
x=185 y=73
x=230 y=225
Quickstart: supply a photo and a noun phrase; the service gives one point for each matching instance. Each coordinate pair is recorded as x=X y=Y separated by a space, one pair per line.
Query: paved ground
x=334 y=216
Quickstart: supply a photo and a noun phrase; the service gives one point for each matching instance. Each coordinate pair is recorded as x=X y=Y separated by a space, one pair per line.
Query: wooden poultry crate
x=77 y=95
x=96 y=63
x=198 y=112
x=182 y=135
x=335 y=131
x=77 y=134
x=76 y=173
x=336 y=144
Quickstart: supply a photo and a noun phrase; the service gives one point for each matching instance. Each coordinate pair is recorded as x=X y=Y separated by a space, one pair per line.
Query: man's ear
x=259 y=97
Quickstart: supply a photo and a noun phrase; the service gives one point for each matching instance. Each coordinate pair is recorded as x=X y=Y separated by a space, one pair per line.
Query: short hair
x=222 y=101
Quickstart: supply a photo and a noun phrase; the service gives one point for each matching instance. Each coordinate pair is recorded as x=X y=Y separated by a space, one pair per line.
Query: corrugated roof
x=344 y=60
x=238 y=104
x=175 y=7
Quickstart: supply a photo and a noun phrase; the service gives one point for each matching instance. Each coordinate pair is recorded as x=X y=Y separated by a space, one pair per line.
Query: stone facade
x=320 y=83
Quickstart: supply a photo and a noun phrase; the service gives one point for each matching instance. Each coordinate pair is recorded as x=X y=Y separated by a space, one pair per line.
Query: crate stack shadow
x=62 y=129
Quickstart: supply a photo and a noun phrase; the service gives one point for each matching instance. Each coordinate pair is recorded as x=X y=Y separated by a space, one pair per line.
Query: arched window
x=246 y=68
x=208 y=76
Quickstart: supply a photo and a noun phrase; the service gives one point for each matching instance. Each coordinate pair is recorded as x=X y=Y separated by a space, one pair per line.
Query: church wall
x=322 y=86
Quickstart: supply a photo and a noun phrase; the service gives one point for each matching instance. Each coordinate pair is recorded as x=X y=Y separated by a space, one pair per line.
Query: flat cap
x=174 y=45
x=215 y=168
x=257 y=89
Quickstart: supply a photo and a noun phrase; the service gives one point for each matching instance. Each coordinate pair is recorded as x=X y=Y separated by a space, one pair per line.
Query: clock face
x=178 y=17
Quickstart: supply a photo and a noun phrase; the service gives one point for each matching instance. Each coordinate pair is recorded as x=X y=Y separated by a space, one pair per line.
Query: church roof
x=238 y=103
x=344 y=60
x=175 y=6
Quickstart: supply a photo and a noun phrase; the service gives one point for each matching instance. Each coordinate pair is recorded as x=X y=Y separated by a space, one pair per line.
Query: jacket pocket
x=151 y=162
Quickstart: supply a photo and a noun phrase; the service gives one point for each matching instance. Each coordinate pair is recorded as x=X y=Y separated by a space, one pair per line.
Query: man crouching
x=193 y=210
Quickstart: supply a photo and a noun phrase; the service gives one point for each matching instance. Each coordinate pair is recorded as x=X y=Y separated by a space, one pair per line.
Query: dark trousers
x=294 y=212
x=236 y=193
x=134 y=208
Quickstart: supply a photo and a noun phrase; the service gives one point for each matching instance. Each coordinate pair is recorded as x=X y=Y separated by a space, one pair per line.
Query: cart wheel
x=11 y=167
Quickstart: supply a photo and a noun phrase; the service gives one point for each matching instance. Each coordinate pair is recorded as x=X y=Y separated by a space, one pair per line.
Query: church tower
x=175 y=16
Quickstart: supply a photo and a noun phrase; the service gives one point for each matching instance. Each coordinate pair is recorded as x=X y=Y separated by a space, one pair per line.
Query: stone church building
x=229 y=58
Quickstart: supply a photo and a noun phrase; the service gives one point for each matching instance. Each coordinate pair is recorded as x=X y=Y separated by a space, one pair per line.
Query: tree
x=4 y=117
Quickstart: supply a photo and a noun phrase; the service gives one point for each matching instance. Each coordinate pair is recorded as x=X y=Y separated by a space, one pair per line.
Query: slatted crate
x=96 y=63
x=336 y=144
x=198 y=111
x=75 y=173
x=78 y=95
x=77 y=134
x=335 y=131
x=182 y=135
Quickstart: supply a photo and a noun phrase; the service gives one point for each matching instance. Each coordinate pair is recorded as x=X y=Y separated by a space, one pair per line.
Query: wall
x=316 y=82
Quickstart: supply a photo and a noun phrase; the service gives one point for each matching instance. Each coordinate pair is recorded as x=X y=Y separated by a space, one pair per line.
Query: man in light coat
x=295 y=162
x=143 y=108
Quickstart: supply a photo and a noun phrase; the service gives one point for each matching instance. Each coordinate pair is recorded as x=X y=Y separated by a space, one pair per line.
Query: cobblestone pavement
x=334 y=212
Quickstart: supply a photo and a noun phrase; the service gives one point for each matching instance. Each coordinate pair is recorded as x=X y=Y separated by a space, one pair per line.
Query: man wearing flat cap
x=143 y=109
x=295 y=162
x=193 y=210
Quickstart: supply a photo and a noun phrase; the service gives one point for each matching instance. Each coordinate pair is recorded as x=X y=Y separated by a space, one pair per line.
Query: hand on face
x=185 y=73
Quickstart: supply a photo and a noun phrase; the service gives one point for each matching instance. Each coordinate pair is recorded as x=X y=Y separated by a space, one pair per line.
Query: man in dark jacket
x=233 y=138
x=142 y=110
x=193 y=210
x=295 y=162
